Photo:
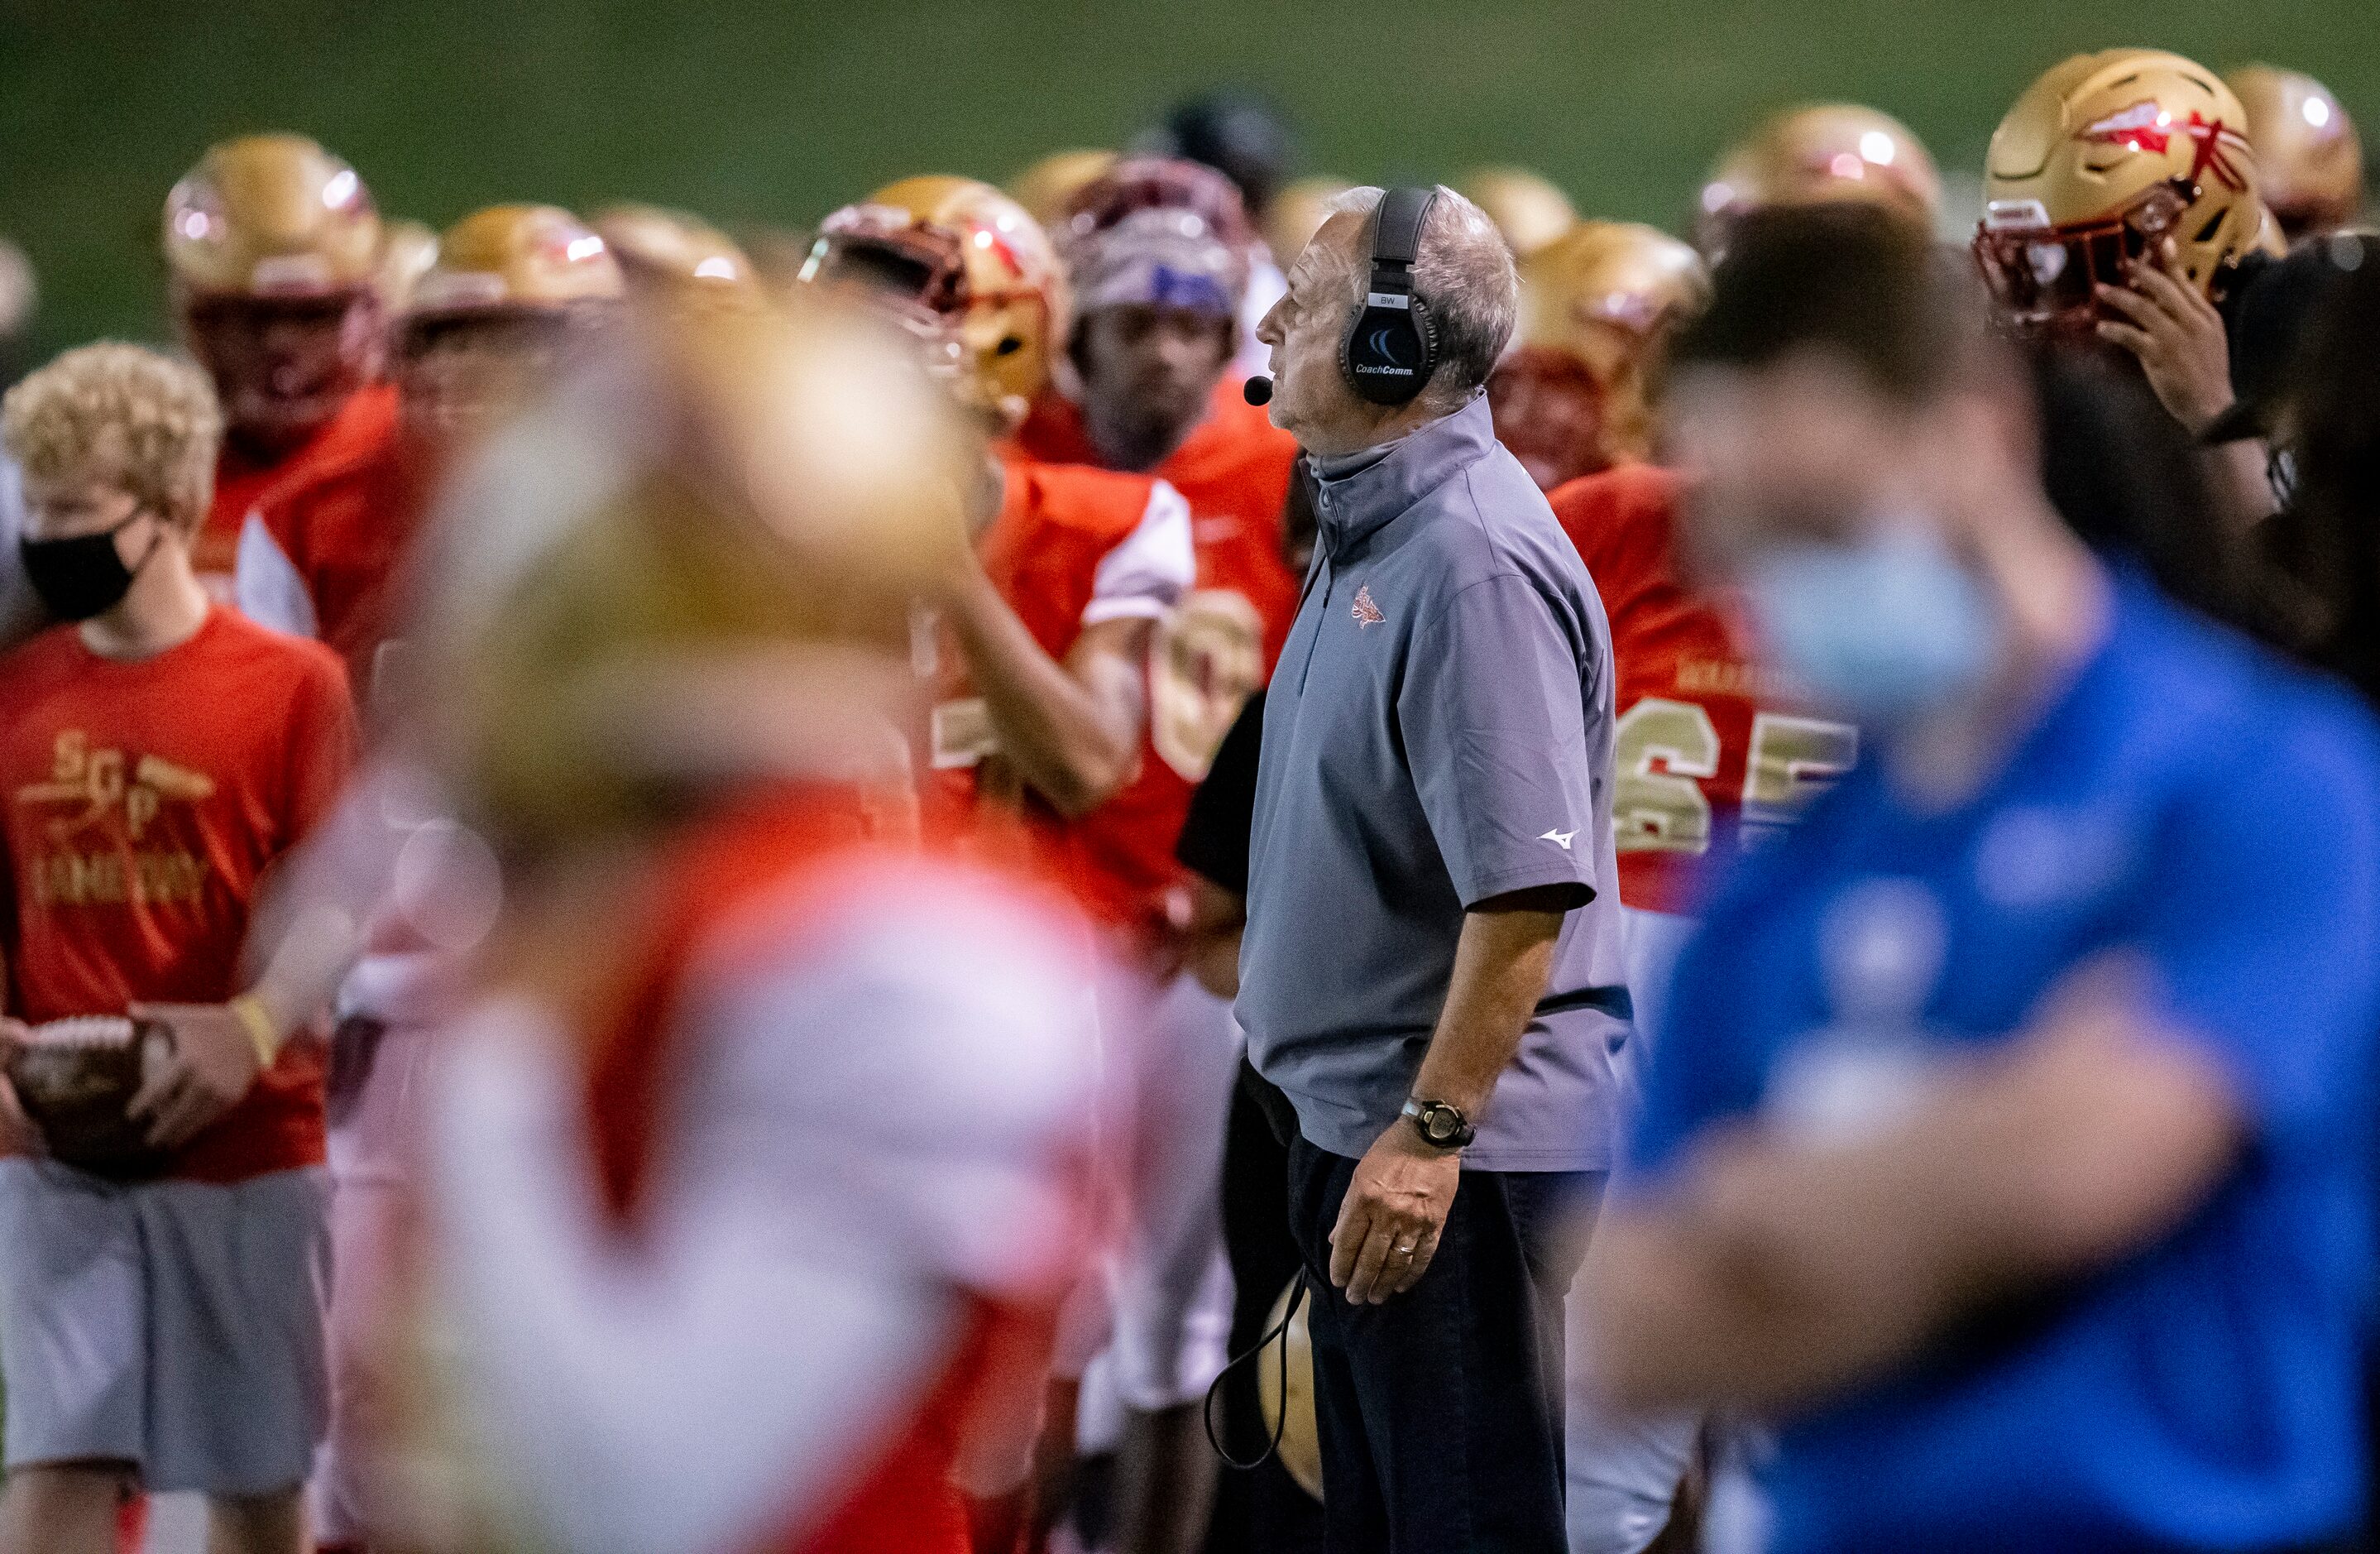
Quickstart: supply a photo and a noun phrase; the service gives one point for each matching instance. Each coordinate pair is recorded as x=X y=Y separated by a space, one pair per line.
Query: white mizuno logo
x=1558 y=838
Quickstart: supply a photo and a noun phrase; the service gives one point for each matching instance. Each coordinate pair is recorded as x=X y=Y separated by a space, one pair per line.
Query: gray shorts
x=176 y=1325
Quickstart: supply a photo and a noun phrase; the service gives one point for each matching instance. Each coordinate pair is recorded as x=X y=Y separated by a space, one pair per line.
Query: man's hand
x=17 y=1133
x=2178 y=335
x=213 y=1066
x=1390 y=1220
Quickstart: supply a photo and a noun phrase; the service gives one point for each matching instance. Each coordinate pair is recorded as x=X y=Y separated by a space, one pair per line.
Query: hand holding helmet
x=2176 y=333
x=2103 y=161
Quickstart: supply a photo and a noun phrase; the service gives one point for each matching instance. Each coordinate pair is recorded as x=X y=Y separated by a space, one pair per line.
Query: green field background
x=774 y=112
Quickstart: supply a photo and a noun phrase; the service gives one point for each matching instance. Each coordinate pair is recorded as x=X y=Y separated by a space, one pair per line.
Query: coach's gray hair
x=1464 y=275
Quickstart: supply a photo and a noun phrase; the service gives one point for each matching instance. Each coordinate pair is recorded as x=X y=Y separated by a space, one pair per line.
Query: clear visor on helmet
x=2044 y=276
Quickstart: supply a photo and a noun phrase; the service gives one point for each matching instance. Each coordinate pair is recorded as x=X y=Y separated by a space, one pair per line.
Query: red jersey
x=905 y=1500
x=1696 y=759
x=1072 y=547
x=958 y=1165
x=1216 y=647
x=145 y=801
x=368 y=418
x=325 y=552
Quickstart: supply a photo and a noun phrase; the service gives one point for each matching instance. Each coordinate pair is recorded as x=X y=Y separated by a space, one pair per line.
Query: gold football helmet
x=530 y=258
x=487 y=325
x=2308 y=161
x=1597 y=304
x=1047 y=187
x=1297 y=214
x=1819 y=154
x=1603 y=288
x=694 y=580
x=1526 y=207
x=962 y=264
x=271 y=215
x=674 y=248
x=2102 y=159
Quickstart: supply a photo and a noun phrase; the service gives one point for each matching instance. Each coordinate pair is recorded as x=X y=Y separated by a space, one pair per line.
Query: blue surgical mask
x=1883 y=629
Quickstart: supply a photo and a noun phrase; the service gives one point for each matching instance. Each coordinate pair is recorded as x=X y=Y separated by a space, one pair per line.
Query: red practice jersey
x=1072 y=547
x=367 y=420
x=326 y=551
x=145 y=801
x=1708 y=751
x=1215 y=649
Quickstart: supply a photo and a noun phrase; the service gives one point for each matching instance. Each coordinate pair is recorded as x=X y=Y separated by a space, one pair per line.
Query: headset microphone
x=1258 y=390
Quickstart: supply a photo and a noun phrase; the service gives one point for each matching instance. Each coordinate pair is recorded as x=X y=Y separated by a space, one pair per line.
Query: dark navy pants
x=1439 y=1410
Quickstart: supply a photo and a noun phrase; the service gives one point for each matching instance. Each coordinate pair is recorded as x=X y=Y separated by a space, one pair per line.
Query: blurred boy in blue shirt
x=2008 y=1144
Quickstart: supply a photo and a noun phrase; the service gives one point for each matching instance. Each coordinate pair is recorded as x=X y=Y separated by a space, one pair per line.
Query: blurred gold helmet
x=1597 y=304
x=1819 y=154
x=1297 y=213
x=515 y=291
x=517 y=258
x=671 y=247
x=408 y=250
x=2102 y=159
x=2308 y=161
x=1047 y=187
x=271 y=215
x=961 y=262
x=1301 y=1443
x=687 y=573
x=1526 y=207
x=1603 y=288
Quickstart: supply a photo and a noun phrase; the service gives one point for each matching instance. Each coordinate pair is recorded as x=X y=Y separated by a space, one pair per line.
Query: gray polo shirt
x=1439 y=732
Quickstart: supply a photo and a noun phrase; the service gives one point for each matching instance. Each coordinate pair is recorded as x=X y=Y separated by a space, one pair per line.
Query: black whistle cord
x=1207 y=1409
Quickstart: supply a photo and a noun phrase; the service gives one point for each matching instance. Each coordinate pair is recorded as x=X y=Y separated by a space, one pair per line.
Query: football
x=75 y=1077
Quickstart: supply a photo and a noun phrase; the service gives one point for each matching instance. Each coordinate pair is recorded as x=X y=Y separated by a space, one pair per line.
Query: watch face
x=1440 y=1125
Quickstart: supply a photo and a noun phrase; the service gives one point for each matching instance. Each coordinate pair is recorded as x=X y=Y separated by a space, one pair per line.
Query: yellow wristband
x=260 y=1034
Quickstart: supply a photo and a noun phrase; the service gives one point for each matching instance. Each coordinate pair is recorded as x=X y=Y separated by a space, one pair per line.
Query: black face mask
x=83 y=577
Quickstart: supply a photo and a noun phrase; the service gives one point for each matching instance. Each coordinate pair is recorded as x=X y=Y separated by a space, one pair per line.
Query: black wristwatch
x=1442 y=1126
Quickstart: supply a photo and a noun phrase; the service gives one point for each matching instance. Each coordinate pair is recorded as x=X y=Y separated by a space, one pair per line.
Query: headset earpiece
x=1390 y=349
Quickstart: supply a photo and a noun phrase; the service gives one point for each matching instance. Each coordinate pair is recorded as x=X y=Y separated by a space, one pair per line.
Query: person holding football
x=160 y=1305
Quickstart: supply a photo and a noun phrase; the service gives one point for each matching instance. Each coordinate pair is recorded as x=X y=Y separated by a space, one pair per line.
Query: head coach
x=1432 y=965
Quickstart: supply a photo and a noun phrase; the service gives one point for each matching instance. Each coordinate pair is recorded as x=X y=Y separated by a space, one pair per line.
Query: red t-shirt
x=368 y=418
x=345 y=526
x=1697 y=757
x=145 y=800
x=1057 y=524
x=1216 y=647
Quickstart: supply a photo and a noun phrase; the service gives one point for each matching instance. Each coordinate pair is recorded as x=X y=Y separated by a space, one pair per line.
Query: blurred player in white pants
x=1170 y=1311
x=747 y=1219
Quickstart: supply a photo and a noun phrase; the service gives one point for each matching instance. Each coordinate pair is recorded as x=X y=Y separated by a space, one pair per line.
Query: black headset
x=1391 y=346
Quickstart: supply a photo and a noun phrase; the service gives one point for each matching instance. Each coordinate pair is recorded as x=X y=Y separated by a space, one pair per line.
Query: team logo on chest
x=1365 y=611
x=100 y=804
